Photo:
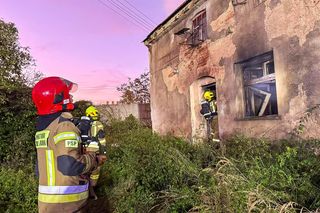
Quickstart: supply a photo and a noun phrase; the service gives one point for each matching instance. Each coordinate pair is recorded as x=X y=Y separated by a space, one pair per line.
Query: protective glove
x=101 y=159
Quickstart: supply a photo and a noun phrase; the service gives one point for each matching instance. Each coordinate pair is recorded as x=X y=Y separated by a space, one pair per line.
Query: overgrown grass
x=149 y=173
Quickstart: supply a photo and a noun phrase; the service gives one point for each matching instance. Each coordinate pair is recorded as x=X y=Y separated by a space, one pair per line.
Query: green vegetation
x=16 y=108
x=80 y=108
x=18 y=191
x=146 y=172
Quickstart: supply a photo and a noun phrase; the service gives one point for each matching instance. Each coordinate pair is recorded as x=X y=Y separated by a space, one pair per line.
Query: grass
x=149 y=173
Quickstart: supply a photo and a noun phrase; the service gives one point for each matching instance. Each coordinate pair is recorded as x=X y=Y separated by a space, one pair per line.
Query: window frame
x=201 y=18
x=269 y=96
x=258 y=2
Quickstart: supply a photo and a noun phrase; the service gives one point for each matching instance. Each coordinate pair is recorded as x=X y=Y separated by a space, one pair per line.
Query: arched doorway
x=198 y=122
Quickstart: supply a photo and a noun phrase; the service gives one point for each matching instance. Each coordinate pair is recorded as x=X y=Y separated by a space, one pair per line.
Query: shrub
x=283 y=171
x=149 y=172
x=17 y=128
x=80 y=108
x=18 y=191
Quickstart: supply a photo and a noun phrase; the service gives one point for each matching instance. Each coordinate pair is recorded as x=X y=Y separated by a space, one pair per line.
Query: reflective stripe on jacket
x=97 y=131
x=61 y=165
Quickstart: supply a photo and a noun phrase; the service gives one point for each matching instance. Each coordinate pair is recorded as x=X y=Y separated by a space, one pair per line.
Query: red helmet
x=52 y=94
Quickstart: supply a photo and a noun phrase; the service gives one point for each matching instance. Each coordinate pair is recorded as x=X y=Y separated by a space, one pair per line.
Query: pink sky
x=85 y=41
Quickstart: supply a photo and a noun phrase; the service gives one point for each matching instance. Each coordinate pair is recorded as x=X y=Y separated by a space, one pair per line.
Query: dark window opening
x=238 y=2
x=199 y=28
x=260 y=86
x=257 y=2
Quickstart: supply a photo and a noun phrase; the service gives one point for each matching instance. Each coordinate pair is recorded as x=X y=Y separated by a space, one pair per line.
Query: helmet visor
x=73 y=87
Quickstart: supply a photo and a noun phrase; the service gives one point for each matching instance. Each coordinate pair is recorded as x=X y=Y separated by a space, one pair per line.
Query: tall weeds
x=149 y=173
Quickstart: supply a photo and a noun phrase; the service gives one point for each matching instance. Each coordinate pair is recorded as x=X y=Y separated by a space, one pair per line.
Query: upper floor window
x=199 y=28
x=260 y=86
x=238 y=2
x=257 y=2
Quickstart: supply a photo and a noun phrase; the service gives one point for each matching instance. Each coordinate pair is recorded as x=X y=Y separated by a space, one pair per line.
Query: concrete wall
x=291 y=28
x=121 y=111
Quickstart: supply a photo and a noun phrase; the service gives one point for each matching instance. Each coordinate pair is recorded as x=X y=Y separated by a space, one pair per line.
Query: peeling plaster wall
x=291 y=28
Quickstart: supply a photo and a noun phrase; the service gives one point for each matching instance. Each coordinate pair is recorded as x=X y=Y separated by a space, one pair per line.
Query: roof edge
x=168 y=18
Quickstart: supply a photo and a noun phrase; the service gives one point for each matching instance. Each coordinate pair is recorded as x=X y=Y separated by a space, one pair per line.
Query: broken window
x=257 y=2
x=199 y=28
x=260 y=86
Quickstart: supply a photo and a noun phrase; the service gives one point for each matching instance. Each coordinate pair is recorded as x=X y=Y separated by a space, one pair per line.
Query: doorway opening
x=198 y=122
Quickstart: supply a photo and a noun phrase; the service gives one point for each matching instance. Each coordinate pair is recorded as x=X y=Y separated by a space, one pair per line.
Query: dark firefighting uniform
x=61 y=166
x=208 y=109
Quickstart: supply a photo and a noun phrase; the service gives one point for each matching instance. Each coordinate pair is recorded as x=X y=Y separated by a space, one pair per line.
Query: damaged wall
x=289 y=28
x=121 y=111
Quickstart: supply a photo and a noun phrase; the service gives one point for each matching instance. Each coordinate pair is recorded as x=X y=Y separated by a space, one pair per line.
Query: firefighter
x=209 y=112
x=208 y=105
x=61 y=166
x=99 y=142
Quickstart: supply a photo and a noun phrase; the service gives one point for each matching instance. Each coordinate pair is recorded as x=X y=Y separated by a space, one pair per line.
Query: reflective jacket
x=61 y=167
x=97 y=132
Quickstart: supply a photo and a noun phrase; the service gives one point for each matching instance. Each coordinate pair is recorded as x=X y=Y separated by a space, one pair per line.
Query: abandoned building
x=260 y=57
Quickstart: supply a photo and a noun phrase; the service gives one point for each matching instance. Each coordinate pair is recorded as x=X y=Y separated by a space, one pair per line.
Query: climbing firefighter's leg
x=94 y=177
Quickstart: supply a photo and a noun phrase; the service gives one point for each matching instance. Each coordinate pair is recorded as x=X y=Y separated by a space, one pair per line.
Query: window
x=238 y=2
x=199 y=28
x=257 y=2
x=260 y=86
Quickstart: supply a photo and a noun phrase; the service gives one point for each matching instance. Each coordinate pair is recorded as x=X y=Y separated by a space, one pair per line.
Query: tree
x=13 y=58
x=16 y=108
x=81 y=107
x=136 y=91
x=16 y=63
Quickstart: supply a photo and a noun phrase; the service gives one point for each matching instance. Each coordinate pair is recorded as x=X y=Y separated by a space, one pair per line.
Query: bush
x=149 y=173
x=277 y=173
x=17 y=128
x=146 y=170
x=16 y=108
x=18 y=191
x=80 y=108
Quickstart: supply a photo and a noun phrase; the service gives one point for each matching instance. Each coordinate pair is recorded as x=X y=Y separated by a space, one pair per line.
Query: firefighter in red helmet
x=61 y=166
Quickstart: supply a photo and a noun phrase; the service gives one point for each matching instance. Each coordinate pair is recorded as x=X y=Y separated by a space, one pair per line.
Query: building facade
x=260 y=57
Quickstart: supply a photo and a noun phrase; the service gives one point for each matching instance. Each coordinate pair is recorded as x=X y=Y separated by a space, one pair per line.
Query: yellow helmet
x=92 y=112
x=208 y=95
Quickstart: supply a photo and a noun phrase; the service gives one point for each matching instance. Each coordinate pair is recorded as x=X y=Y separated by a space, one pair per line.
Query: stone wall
x=289 y=28
x=121 y=111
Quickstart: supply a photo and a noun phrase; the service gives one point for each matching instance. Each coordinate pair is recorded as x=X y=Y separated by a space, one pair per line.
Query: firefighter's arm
x=70 y=161
x=101 y=133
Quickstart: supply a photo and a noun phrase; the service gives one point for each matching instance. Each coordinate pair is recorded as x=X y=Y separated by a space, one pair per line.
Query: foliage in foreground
x=16 y=109
x=18 y=191
x=149 y=173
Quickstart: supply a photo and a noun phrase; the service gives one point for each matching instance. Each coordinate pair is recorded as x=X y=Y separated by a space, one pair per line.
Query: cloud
x=171 y=5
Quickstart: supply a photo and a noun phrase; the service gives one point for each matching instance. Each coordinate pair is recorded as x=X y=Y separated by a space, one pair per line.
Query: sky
x=95 y=43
